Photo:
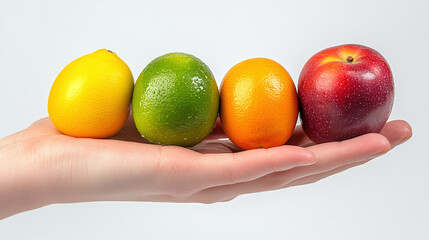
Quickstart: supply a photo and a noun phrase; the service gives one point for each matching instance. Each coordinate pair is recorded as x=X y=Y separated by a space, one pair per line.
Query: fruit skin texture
x=341 y=99
x=176 y=100
x=259 y=104
x=91 y=96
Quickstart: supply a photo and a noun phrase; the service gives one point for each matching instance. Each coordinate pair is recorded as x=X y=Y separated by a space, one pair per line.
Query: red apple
x=343 y=92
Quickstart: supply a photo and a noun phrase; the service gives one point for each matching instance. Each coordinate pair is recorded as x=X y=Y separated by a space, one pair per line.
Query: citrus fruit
x=91 y=96
x=175 y=100
x=258 y=104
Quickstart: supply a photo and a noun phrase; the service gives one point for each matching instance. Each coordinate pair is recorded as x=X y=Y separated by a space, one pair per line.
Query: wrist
x=19 y=193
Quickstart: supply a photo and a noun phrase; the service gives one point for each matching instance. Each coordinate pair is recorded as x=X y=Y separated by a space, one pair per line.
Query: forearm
x=19 y=191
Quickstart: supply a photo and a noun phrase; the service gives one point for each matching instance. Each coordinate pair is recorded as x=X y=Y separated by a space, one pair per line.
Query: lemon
x=175 y=100
x=91 y=96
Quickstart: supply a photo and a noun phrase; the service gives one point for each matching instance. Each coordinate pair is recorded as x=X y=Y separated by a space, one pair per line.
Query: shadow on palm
x=216 y=142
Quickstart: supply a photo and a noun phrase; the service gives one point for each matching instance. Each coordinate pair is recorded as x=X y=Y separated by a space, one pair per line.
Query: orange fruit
x=91 y=96
x=258 y=104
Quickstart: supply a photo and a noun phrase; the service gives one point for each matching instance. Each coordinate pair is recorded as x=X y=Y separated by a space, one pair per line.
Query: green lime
x=175 y=100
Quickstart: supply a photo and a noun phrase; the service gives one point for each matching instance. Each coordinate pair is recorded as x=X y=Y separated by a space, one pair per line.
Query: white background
x=384 y=199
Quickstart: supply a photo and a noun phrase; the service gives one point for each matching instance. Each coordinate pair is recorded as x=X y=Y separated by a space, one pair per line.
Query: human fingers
x=328 y=156
x=221 y=169
x=116 y=170
x=299 y=138
x=335 y=154
x=397 y=132
x=227 y=169
x=317 y=177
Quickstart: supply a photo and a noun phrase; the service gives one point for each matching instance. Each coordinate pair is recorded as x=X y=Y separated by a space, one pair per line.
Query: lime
x=175 y=100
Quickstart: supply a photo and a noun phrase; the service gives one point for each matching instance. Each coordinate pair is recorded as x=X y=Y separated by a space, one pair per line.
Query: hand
x=41 y=166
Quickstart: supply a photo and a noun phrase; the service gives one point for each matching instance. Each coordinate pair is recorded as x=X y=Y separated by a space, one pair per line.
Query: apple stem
x=349 y=59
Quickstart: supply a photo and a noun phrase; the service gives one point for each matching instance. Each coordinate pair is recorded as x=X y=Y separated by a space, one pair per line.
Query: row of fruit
x=343 y=92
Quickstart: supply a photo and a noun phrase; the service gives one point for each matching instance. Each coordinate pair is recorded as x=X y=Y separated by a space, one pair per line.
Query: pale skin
x=40 y=166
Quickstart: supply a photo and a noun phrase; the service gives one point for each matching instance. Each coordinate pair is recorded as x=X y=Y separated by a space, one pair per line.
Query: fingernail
x=408 y=132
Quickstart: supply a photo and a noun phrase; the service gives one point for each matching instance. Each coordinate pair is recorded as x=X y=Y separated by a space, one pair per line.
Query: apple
x=343 y=92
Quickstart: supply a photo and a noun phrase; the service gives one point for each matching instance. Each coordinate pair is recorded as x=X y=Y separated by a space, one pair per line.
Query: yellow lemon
x=91 y=96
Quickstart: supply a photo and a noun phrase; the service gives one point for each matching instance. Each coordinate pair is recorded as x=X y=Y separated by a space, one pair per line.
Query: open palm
x=41 y=166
